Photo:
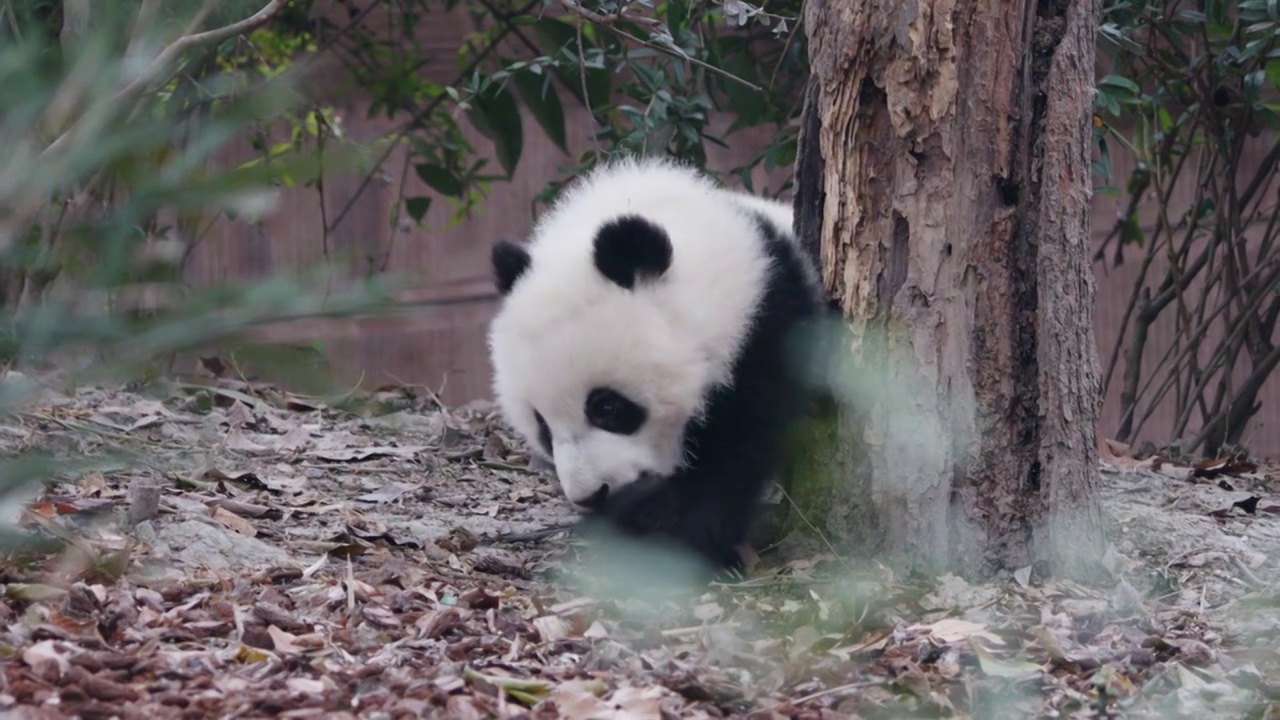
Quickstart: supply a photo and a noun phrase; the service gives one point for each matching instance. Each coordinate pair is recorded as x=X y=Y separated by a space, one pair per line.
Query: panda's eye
x=614 y=412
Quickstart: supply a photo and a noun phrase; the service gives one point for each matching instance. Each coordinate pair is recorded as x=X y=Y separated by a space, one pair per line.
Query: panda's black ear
x=510 y=261
x=630 y=249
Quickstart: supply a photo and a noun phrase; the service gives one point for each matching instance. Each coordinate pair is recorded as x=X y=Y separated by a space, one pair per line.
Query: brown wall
x=444 y=347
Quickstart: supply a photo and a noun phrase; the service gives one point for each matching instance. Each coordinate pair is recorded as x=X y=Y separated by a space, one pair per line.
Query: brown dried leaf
x=633 y=703
x=286 y=642
x=238 y=441
x=464 y=707
x=380 y=616
x=552 y=628
x=233 y=522
x=306 y=686
x=239 y=415
x=1110 y=457
x=1223 y=466
x=295 y=439
x=954 y=630
x=101 y=688
x=1001 y=668
x=245 y=509
x=438 y=622
x=49 y=659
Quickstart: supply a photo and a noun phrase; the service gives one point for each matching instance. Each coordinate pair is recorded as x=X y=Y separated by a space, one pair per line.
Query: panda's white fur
x=783 y=218
x=564 y=327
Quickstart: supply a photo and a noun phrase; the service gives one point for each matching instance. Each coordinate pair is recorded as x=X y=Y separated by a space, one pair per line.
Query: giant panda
x=643 y=347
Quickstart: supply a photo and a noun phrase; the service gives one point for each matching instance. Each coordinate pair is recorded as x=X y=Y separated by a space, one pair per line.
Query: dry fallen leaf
x=287 y=642
x=552 y=628
x=233 y=521
x=1223 y=466
x=954 y=630
x=48 y=658
x=1115 y=455
x=580 y=699
x=995 y=667
x=305 y=686
x=633 y=703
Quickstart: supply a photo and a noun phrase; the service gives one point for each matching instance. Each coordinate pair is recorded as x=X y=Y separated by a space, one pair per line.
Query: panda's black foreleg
x=665 y=509
x=693 y=510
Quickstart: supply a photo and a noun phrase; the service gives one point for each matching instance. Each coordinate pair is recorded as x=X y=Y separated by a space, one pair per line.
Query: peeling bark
x=953 y=189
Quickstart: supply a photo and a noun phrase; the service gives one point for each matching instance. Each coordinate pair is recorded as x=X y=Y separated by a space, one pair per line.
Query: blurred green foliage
x=110 y=125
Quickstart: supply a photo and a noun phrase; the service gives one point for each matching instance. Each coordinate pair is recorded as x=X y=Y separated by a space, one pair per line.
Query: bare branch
x=1229 y=424
x=607 y=21
x=167 y=57
x=577 y=9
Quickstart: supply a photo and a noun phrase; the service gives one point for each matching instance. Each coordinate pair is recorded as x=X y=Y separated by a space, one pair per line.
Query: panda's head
x=619 y=317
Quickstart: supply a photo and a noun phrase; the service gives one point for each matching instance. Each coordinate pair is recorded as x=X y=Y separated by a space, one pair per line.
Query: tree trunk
x=945 y=174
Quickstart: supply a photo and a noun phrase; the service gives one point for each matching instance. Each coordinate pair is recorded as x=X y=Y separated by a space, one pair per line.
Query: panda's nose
x=596 y=501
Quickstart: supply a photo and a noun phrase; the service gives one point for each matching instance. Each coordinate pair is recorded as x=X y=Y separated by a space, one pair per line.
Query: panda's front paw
x=645 y=506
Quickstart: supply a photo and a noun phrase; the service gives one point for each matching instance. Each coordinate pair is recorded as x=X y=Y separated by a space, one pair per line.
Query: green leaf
x=1121 y=86
x=439 y=178
x=1273 y=73
x=560 y=39
x=1107 y=101
x=540 y=97
x=417 y=207
x=1142 y=143
x=1131 y=231
x=1253 y=85
x=677 y=11
x=1205 y=208
x=495 y=114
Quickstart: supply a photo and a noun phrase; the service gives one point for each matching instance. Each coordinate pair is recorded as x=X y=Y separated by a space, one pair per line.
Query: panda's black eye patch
x=544 y=432
x=614 y=412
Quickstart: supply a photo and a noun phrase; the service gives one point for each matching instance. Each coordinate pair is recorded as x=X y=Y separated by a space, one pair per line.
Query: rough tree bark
x=944 y=177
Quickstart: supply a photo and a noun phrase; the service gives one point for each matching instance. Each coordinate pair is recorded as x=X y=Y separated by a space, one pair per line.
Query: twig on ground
x=530 y=536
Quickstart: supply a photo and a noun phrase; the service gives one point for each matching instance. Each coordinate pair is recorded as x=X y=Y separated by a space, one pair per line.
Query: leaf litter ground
x=233 y=550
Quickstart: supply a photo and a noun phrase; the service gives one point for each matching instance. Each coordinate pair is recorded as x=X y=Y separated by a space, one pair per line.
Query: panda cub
x=644 y=348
